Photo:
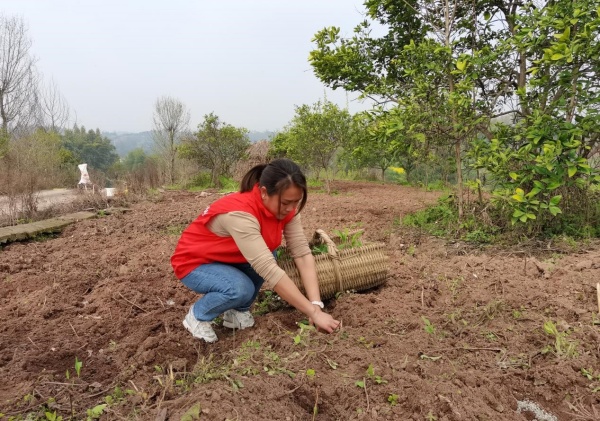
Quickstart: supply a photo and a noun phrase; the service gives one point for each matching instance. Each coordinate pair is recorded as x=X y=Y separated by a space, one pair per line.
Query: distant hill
x=125 y=142
x=256 y=136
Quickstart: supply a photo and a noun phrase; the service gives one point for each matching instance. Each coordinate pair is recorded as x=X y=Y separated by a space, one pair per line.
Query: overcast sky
x=244 y=60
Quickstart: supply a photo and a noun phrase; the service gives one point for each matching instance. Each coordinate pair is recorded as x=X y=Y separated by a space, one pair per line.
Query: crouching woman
x=226 y=254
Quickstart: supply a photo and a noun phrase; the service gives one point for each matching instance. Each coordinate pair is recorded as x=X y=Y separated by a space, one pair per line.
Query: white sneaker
x=234 y=319
x=198 y=328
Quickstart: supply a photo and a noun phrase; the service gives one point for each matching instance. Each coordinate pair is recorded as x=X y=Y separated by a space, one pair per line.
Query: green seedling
x=593 y=377
x=563 y=346
x=51 y=416
x=78 y=365
x=393 y=399
x=348 y=240
x=371 y=376
x=303 y=336
x=430 y=416
x=429 y=328
x=365 y=342
x=95 y=412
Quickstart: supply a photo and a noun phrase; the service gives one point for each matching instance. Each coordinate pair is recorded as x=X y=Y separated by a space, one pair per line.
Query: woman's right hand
x=324 y=321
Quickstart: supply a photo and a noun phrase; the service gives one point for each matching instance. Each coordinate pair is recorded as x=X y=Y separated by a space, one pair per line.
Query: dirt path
x=453 y=335
x=45 y=198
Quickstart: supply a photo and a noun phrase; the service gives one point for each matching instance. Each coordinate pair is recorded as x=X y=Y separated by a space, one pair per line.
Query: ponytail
x=251 y=178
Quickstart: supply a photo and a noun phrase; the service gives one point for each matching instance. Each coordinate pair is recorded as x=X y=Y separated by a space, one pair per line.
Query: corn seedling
x=348 y=240
x=593 y=377
x=393 y=399
x=78 y=365
x=563 y=346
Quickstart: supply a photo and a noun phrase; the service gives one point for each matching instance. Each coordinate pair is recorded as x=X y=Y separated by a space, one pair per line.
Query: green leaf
x=554 y=210
x=519 y=197
x=556 y=56
x=370 y=370
x=461 y=64
x=555 y=200
x=572 y=170
x=360 y=384
x=518 y=213
x=514 y=175
x=554 y=184
x=192 y=414
x=530 y=216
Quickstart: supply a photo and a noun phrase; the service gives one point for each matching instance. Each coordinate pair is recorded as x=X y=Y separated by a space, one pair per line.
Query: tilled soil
x=454 y=334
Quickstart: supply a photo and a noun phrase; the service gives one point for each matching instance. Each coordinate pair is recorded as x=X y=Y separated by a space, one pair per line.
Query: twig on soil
x=160 y=301
x=162 y=415
x=66 y=384
x=74 y=330
x=582 y=413
x=32 y=342
x=289 y=392
x=598 y=294
x=464 y=348
x=134 y=386
x=315 y=407
x=133 y=304
x=393 y=334
x=366 y=394
x=422 y=293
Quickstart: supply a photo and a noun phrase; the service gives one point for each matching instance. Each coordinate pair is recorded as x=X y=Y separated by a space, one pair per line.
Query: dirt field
x=454 y=334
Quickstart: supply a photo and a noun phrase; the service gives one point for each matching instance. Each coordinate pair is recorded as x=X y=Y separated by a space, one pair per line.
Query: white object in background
x=85 y=177
x=110 y=191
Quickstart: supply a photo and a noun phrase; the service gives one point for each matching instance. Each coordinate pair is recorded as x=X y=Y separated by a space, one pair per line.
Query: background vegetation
x=497 y=102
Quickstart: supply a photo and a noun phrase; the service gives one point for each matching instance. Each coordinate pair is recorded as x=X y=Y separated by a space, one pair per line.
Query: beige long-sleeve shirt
x=245 y=231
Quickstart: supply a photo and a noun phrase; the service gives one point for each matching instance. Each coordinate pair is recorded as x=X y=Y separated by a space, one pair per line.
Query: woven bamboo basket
x=340 y=270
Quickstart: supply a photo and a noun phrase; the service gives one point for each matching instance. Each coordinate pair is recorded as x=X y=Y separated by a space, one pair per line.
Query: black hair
x=276 y=176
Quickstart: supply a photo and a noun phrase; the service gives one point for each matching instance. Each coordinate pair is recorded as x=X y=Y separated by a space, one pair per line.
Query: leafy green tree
x=372 y=144
x=422 y=77
x=540 y=163
x=216 y=146
x=135 y=159
x=90 y=147
x=315 y=134
x=462 y=64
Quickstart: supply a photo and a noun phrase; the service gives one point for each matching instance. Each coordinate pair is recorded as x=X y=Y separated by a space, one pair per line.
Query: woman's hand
x=288 y=291
x=323 y=321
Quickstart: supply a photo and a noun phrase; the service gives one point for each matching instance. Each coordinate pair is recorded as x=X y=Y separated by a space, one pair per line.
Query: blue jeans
x=225 y=287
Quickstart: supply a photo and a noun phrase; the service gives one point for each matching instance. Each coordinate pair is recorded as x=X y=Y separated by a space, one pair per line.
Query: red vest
x=198 y=245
